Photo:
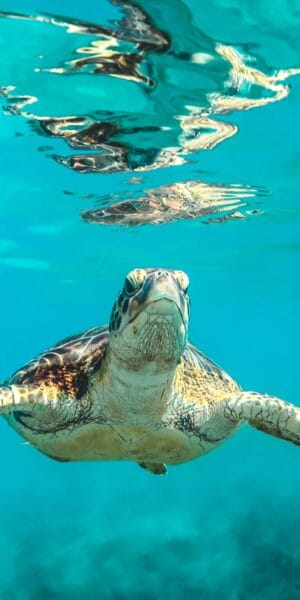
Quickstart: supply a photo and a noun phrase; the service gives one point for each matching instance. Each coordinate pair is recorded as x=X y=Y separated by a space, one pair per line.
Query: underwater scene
x=145 y=135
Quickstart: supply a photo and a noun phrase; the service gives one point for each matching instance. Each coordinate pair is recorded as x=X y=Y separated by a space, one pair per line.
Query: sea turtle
x=137 y=390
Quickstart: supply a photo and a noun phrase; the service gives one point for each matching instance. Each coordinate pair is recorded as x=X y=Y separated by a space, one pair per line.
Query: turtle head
x=149 y=321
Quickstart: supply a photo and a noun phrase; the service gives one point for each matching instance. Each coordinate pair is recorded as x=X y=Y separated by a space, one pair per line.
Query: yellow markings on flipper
x=27 y=395
x=6 y=397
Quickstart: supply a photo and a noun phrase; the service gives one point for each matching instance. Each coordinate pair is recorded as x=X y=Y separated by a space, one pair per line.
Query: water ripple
x=179 y=201
x=158 y=123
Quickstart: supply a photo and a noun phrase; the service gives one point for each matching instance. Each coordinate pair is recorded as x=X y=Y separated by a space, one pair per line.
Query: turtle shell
x=68 y=365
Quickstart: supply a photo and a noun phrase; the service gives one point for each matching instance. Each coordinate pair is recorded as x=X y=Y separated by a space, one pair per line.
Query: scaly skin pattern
x=268 y=414
x=137 y=390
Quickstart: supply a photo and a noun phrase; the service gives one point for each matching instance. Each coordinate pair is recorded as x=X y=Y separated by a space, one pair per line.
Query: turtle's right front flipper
x=12 y=396
x=6 y=399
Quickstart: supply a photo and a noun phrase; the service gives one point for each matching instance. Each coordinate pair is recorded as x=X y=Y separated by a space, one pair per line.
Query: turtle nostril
x=162 y=274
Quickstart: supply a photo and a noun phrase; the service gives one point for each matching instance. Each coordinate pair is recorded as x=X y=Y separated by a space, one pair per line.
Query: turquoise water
x=103 y=102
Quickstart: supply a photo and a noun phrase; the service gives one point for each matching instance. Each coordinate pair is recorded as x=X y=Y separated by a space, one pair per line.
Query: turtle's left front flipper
x=266 y=413
x=21 y=395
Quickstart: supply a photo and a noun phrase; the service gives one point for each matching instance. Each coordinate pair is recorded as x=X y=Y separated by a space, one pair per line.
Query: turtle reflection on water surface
x=186 y=200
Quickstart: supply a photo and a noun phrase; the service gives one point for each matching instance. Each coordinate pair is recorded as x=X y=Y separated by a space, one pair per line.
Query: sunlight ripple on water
x=164 y=124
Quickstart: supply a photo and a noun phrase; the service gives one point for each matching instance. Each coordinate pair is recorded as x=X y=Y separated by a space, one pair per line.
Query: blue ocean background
x=228 y=525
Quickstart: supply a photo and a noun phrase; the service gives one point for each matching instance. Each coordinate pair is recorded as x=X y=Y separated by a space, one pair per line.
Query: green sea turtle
x=137 y=390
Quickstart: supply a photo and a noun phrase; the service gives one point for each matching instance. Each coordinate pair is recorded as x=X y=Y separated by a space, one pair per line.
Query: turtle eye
x=134 y=281
x=139 y=275
x=129 y=286
x=183 y=281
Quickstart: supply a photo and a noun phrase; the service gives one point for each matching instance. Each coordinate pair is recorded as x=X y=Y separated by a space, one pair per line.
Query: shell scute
x=68 y=365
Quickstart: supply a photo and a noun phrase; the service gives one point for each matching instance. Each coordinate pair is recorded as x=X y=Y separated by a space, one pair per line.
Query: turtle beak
x=161 y=295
